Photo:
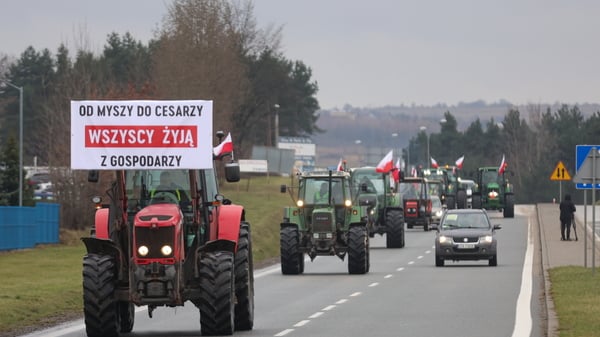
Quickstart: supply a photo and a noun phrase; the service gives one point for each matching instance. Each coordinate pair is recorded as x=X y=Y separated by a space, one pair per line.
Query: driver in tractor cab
x=366 y=185
x=167 y=185
x=322 y=195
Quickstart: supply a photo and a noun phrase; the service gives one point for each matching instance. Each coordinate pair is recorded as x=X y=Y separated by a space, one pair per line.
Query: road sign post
x=586 y=177
x=560 y=174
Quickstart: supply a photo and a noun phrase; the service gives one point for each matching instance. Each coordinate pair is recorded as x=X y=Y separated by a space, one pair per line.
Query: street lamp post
x=424 y=129
x=20 y=140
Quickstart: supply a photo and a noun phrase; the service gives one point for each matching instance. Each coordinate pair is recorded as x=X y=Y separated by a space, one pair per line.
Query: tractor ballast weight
x=149 y=250
x=493 y=191
x=384 y=208
x=323 y=222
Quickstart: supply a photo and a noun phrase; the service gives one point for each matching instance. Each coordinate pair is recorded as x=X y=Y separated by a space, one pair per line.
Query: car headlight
x=300 y=203
x=444 y=239
x=143 y=250
x=486 y=239
x=438 y=213
x=166 y=250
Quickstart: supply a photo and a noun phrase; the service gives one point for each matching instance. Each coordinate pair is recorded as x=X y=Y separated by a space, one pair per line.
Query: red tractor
x=164 y=238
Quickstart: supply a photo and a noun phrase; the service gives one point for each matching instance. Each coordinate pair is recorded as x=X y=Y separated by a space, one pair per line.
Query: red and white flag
x=396 y=171
x=434 y=163
x=502 y=166
x=340 y=166
x=226 y=146
x=385 y=165
x=459 y=162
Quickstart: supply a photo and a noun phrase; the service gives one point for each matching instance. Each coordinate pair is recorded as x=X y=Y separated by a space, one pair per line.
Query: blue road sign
x=581 y=153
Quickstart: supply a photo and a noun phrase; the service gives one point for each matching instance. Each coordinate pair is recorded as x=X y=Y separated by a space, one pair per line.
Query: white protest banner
x=107 y=135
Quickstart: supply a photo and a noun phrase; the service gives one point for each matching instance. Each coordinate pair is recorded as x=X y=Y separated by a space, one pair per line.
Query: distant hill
x=364 y=134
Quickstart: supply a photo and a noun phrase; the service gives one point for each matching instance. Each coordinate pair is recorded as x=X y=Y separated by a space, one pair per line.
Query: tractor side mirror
x=232 y=172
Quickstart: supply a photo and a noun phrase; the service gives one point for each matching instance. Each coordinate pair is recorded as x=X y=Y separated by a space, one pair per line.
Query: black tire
x=100 y=308
x=358 y=250
x=217 y=293
x=493 y=262
x=450 y=202
x=461 y=199
x=244 y=281
x=476 y=201
x=439 y=261
x=292 y=261
x=509 y=206
x=126 y=316
x=394 y=223
x=426 y=225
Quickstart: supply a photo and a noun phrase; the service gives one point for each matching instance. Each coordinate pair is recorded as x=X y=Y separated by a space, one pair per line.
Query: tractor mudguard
x=288 y=224
x=101 y=223
x=229 y=219
x=219 y=245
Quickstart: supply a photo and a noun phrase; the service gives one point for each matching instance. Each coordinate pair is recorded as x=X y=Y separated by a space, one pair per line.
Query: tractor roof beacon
x=383 y=206
x=324 y=221
x=162 y=244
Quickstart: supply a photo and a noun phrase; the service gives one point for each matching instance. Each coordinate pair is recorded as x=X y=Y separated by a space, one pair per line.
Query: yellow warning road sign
x=560 y=172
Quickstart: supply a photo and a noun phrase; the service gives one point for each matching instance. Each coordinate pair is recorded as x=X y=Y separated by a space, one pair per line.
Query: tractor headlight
x=300 y=203
x=493 y=195
x=143 y=250
x=166 y=250
x=348 y=203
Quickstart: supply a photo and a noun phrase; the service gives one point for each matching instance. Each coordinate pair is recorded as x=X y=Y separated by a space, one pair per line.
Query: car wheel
x=493 y=261
x=439 y=261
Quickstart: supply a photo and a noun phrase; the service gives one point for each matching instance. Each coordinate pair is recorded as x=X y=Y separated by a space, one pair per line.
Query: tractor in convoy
x=383 y=206
x=166 y=235
x=493 y=191
x=417 y=203
x=454 y=194
x=323 y=222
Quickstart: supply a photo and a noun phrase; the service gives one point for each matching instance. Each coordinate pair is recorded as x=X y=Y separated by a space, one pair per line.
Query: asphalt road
x=403 y=294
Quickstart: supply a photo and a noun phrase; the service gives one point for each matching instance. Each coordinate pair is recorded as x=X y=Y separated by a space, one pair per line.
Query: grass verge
x=576 y=295
x=43 y=286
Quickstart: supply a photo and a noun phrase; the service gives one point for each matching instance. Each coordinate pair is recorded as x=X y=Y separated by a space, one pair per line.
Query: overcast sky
x=378 y=52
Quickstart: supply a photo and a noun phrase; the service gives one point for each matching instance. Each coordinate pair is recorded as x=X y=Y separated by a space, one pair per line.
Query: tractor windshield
x=316 y=191
x=410 y=190
x=145 y=187
x=489 y=177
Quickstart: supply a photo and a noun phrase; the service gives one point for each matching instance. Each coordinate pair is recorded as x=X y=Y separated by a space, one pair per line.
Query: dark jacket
x=567 y=208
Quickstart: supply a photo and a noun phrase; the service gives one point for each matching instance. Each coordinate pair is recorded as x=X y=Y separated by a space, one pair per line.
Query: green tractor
x=454 y=194
x=493 y=191
x=323 y=222
x=384 y=207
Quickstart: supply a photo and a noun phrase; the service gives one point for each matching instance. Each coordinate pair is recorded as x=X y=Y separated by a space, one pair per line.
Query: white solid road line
x=523 y=321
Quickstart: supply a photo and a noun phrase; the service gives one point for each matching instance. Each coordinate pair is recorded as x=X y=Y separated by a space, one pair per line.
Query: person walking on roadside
x=567 y=210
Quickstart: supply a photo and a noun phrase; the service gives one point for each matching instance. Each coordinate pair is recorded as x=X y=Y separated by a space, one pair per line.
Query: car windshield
x=465 y=220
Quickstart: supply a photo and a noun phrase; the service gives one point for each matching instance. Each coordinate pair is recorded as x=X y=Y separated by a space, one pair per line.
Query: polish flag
x=226 y=146
x=340 y=166
x=385 y=165
x=459 y=162
x=434 y=163
x=396 y=171
x=502 y=166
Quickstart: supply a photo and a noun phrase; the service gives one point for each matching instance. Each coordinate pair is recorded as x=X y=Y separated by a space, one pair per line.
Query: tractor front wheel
x=292 y=260
x=100 y=308
x=509 y=206
x=358 y=250
x=217 y=293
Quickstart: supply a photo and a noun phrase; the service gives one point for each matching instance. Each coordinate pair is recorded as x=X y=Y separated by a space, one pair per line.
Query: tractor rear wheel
x=244 y=281
x=476 y=201
x=358 y=250
x=100 y=308
x=292 y=261
x=394 y=223
x=509 y=206
x=461 y=199
x=217 y=293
